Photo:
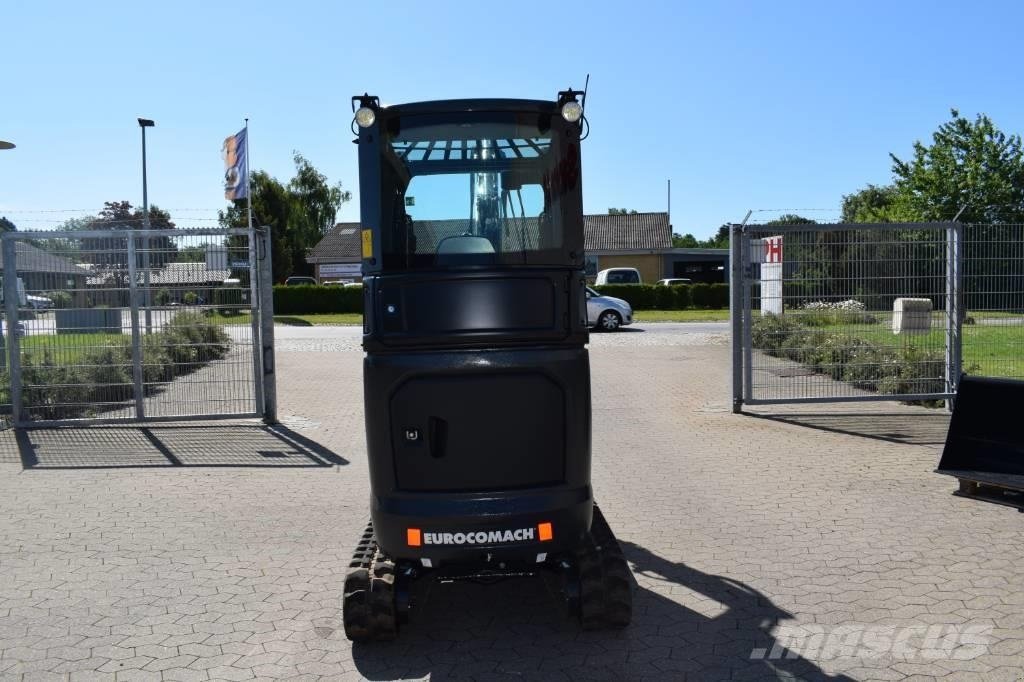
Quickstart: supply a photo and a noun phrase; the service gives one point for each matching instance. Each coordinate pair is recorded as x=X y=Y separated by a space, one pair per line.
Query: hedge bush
x=309 y=299
x=306 y=299
x=228 y=300
x=678 y=297
x=104 y=375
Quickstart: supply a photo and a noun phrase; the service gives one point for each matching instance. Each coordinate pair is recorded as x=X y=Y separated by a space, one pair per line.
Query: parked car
x=672 y=281
x=39 y=302
x=619 y=276
x=607 y=313
x=19 y=329
x=296 y=280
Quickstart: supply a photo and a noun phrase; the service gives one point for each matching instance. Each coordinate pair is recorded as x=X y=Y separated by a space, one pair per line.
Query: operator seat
x=465 y=249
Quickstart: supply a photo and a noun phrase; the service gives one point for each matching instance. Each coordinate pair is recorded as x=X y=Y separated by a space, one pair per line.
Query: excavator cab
x=476 y=374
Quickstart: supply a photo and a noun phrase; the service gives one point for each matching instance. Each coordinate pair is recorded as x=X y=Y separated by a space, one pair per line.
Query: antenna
x=583 y=104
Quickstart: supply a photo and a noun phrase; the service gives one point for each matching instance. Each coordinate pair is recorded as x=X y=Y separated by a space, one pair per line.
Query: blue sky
x=753 y=105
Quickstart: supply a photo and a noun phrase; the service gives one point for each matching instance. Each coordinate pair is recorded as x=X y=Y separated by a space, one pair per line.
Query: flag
x=236 y=181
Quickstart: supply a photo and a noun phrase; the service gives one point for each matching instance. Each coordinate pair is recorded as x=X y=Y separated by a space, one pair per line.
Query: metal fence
x=850 y=312
x=122 y=325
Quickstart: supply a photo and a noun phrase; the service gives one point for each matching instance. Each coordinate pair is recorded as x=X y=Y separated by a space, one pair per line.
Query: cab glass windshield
x=479 y=189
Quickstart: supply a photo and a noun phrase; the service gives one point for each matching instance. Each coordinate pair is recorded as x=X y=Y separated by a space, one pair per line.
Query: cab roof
x=470 y=105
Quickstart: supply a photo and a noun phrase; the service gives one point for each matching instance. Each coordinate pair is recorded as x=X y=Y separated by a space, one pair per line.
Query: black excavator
x=476 y=374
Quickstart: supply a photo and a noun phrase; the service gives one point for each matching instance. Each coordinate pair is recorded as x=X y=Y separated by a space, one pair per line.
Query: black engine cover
x=478 y=432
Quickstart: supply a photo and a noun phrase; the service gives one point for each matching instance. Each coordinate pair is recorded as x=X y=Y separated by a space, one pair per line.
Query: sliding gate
x=837 y=313
x=124 y=325
x=848 y=312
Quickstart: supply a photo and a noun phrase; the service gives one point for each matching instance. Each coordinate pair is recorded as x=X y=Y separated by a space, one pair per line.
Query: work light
x=572 y=111
x=365 y=117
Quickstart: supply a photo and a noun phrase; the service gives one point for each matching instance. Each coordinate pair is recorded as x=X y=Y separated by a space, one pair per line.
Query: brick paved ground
x=739 y=528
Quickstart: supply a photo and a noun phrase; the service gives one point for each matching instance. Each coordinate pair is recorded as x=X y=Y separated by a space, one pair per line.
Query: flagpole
x=248 y=180
x=255 y=305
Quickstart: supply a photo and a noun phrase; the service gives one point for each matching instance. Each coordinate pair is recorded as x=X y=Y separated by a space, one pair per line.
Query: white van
x=23 y=300
x=619 y=276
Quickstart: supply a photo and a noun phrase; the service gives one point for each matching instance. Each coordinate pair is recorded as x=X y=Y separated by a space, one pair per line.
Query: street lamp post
x=3 y=341
x=146 y=123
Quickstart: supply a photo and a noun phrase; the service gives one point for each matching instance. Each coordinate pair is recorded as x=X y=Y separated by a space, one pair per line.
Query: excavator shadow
x=519 y=629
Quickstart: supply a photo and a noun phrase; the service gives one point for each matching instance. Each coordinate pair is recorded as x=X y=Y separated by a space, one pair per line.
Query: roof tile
x=631 y=232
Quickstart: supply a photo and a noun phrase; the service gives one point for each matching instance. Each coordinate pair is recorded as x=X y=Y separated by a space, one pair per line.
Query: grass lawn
x=66 y=349
x=988 y=350
x=296 y=320
x=681 y=315
x=357 y=318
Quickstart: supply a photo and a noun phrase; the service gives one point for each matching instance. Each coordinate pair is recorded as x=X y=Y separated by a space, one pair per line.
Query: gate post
x=736 y=314
x=254 y=321
x=10 y=260
x=266 y=279
x=954 y=307
x=133 y=301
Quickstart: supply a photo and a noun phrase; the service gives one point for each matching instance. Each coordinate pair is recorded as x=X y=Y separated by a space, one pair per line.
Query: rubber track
x=606 y=591
x=368 y=605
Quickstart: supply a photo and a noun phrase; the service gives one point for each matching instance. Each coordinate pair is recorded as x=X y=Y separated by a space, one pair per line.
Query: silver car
x=607 y=313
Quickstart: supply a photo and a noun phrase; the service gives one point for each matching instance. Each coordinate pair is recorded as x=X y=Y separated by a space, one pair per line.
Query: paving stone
x=207 y=662
x=230 y=673
x=184 y=675
x=739 y=529
x=92 y=676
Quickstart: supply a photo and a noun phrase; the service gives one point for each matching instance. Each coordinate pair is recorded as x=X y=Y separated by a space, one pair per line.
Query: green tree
x=299 y=213
x=66 y=248
x=271 y=205
x=7 y=226
x=720 y=240
x=791 y=219
x=318 y=200
x=109 y=255
x=621 y=211
x=971 y=165
x=192 y=254
x=877 y=204
x=684 y=241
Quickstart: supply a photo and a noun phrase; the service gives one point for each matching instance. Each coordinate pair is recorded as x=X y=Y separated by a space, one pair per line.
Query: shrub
x=824 y=314
x=104 y=375
x=163 y=297
x=843 y=357
x=190 y=298
x=53 y=391
x=61 y=299
x=770 y=332
x=157 y=366
x=189 y=338
x=916 y=371
x=109 y=369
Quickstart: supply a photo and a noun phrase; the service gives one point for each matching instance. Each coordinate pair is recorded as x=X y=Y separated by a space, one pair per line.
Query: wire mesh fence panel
x=5 y=380
x=993 y=282
x=127 y=324
x=200 y=361
x=839 y=312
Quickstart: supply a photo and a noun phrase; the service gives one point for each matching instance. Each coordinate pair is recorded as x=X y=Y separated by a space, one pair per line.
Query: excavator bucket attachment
x=985 y=444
